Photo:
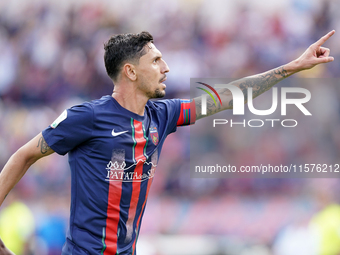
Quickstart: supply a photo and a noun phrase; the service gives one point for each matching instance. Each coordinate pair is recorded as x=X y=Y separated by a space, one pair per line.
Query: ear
x=130 y=71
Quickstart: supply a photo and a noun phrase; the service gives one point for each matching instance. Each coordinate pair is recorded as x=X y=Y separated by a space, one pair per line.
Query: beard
x=158 y=93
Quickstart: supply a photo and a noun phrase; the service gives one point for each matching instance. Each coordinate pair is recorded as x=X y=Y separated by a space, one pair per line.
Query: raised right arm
x=20 y=161
x=314 y=55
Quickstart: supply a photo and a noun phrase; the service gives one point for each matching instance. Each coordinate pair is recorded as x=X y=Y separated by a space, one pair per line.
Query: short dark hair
x=122 y=48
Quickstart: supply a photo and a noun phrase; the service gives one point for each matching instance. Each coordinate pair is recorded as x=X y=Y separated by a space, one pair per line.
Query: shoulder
x=164 y=103
x=103 y=101
x=95 y=106
x=86 y=110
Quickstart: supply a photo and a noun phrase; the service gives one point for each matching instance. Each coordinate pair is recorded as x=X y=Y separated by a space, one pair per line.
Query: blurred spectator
x=17 y=225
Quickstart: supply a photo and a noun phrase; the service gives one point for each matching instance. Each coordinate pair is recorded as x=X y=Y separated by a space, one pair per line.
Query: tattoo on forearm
x=281 y=71
x=231 y=103
x=43 y=145
x=260 y=83
x=211 y=107
x=198 y=105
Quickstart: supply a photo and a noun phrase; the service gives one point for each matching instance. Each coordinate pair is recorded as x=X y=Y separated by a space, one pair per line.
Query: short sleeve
x=187 y=114
x=176 y=112
x=72 y=128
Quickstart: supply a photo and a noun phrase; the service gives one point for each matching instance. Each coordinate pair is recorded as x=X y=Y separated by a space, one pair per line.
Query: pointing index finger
x=323 y=39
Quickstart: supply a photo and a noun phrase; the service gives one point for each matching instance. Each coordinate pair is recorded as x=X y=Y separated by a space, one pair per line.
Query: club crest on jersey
x=154 y=135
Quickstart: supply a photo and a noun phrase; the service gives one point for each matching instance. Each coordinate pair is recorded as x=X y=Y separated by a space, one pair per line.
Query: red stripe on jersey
x=140 y=215
x=113 y=214
x=138 y=171
x=187 y=114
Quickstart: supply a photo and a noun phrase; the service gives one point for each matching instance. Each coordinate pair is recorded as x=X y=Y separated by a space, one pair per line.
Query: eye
x=156 y=59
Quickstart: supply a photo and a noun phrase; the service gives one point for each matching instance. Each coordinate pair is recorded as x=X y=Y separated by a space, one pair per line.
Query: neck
x=131 y=101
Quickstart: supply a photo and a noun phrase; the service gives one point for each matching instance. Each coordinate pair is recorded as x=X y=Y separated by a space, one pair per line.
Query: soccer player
x=114 y=142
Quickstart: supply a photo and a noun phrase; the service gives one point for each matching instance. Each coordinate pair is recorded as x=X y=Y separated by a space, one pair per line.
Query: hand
x=4 y=250
x=315 y=54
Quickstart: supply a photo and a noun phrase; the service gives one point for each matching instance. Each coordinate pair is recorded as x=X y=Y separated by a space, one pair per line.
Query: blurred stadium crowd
x=51 y=57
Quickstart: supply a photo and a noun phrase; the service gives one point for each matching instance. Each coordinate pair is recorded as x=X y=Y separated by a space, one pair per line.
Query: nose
x=165 y=68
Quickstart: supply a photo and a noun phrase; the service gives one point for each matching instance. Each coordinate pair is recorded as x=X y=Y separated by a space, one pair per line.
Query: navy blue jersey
x=113 y=154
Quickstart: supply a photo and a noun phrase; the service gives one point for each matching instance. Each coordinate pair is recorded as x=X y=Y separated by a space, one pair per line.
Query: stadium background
x=51 y=57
